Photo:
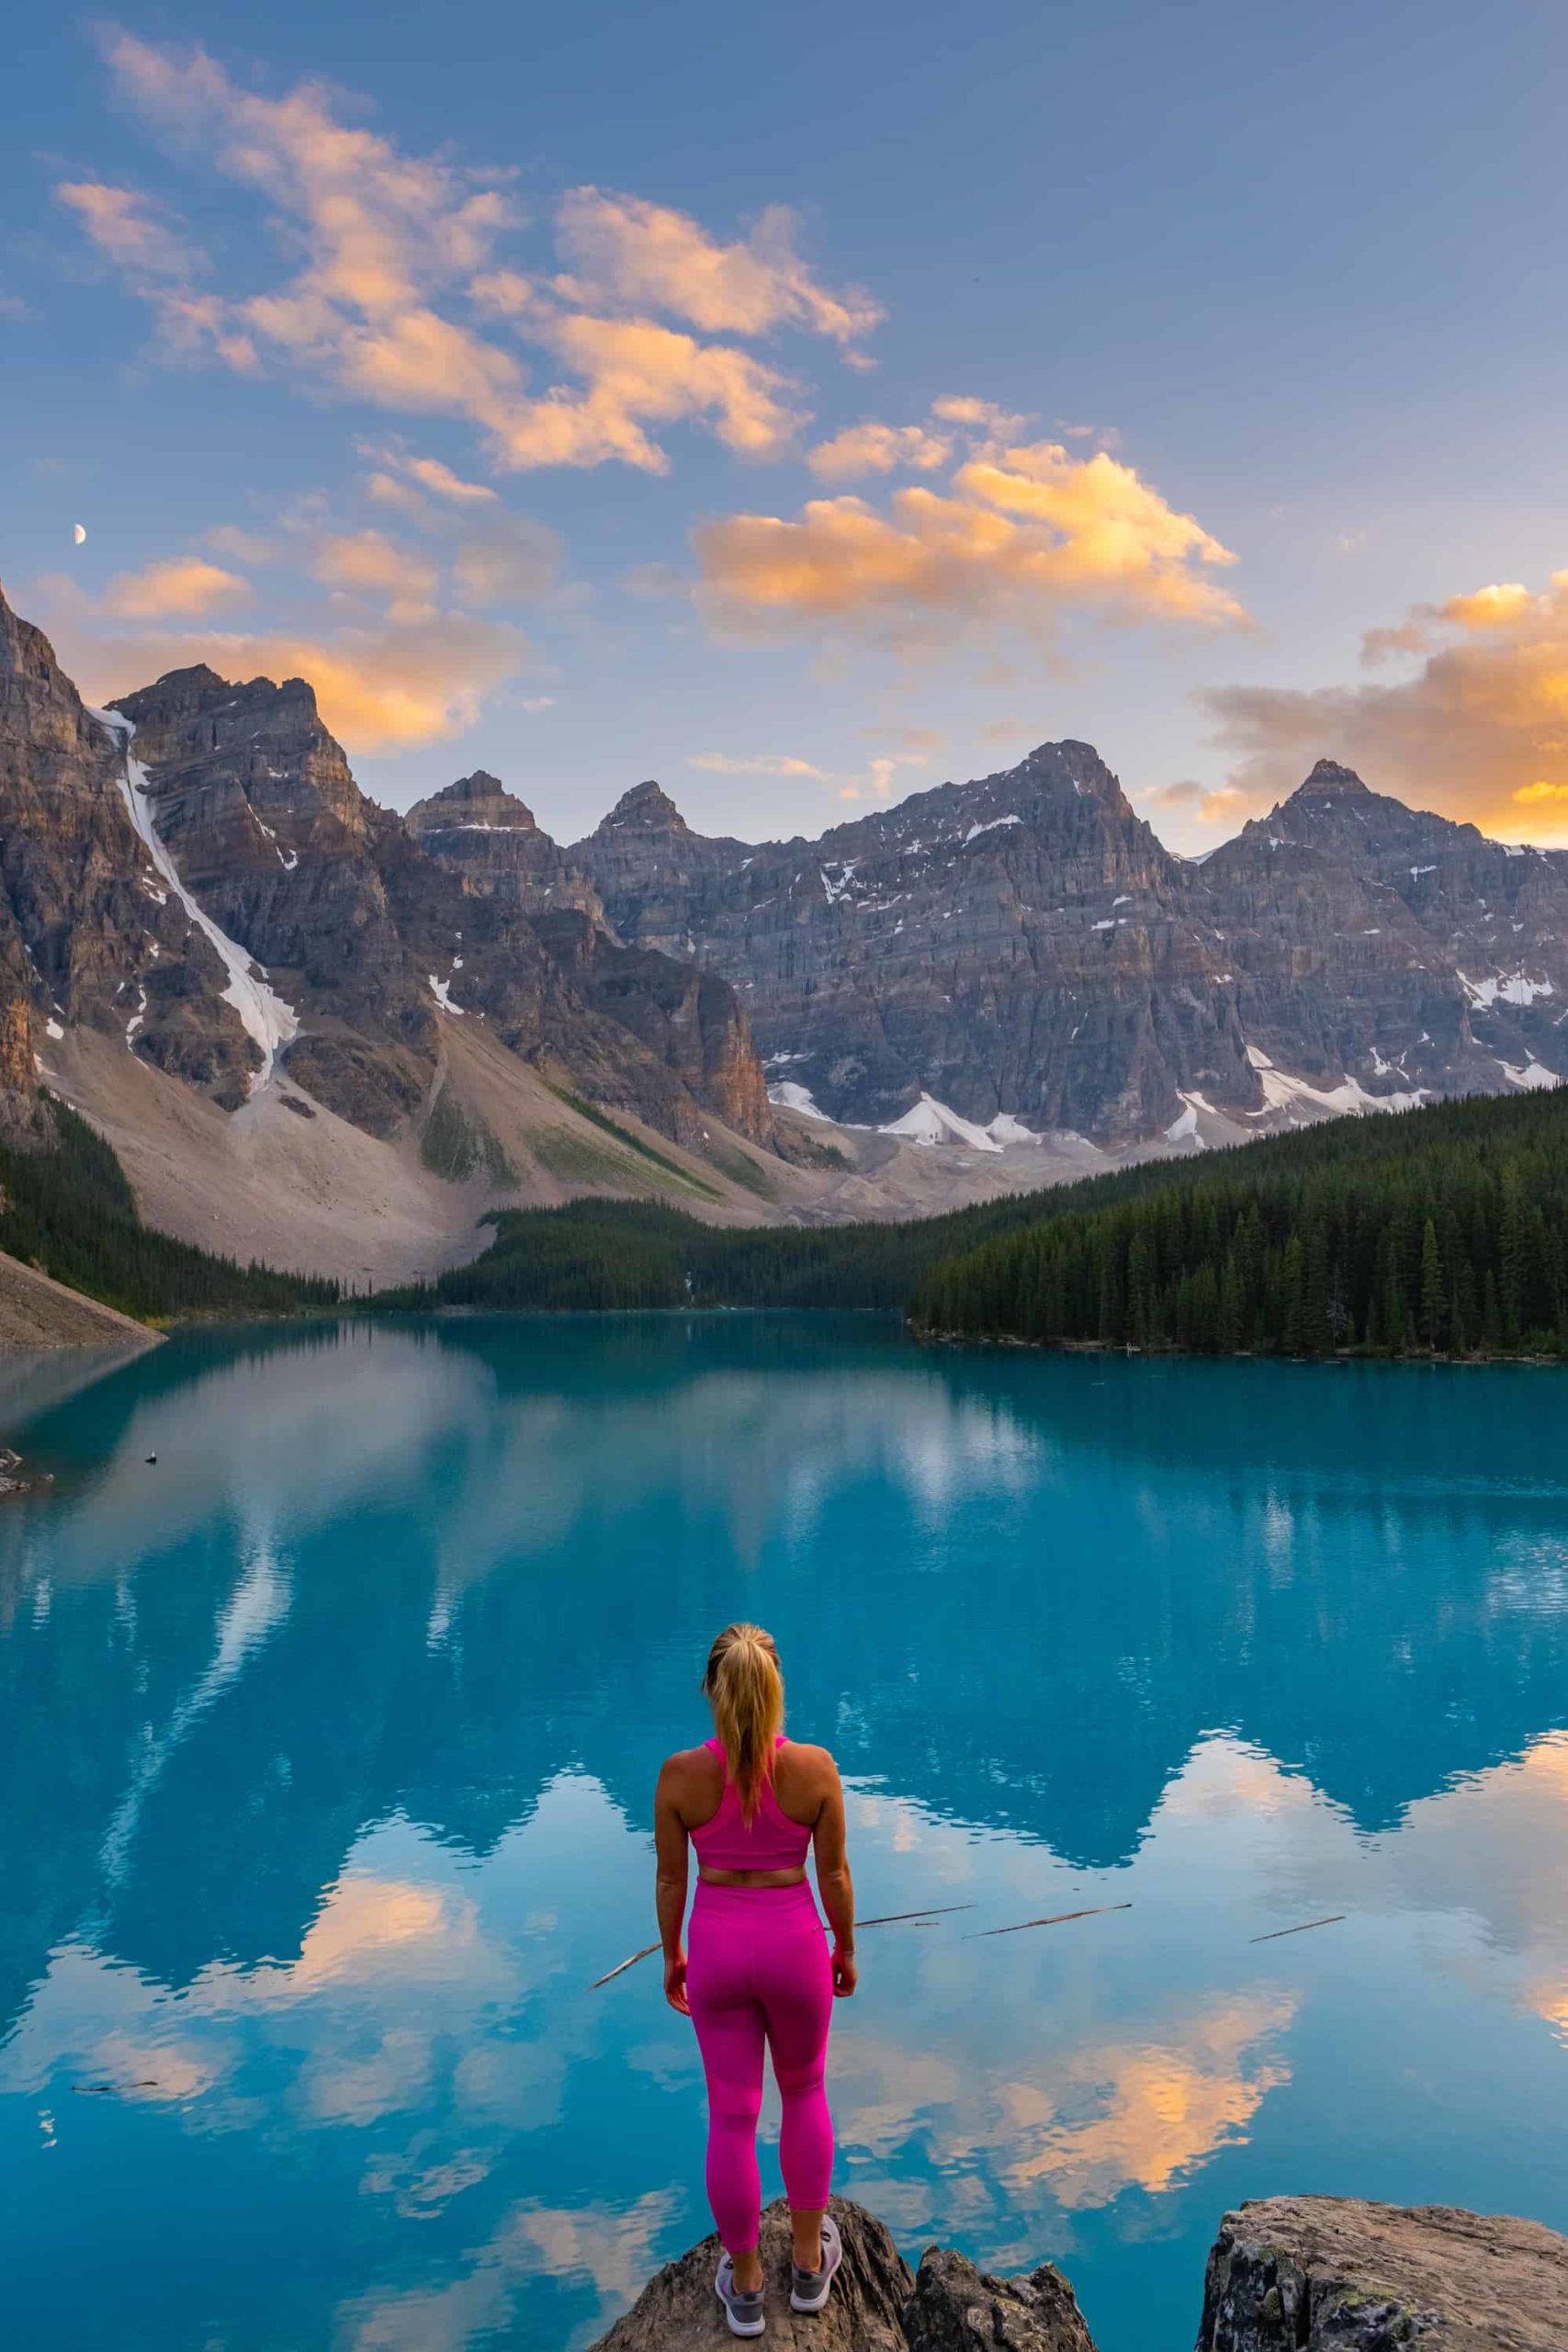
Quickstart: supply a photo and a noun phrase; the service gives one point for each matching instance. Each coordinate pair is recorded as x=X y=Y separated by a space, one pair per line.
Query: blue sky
x=803 y=405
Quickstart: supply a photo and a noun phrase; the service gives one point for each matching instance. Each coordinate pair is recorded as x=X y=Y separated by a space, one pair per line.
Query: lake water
x=327 y=1748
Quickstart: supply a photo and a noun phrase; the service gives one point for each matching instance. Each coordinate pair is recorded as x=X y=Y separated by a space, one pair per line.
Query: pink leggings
x=758 y=1967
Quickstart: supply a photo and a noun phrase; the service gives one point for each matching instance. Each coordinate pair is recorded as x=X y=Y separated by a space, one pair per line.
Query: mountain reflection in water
x=328 y=1745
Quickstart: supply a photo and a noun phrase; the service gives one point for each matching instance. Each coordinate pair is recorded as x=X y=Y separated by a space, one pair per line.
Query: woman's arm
x=834 y=1884
x=669 y=1844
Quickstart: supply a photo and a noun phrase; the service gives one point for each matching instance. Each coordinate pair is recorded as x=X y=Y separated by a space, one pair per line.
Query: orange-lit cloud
x=162 y=266
x=872 y=448
x=623 y=250
x=757 y=763
x=877 y=782
x=1210 y=805
x=385 y=689
x=1146 y=2112
x=367 y=563
x=125 y=227
x=432 y=475
x=1480 y=731
x=1120 y=531
x=401 y=477
x=400 y=287
x=636 y=373
x=1020 y=542
x=369 y=1925
x=982 y=416
x=184 y=587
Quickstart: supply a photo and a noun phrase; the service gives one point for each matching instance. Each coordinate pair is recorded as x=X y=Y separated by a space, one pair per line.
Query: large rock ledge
x=1287 y=2274
x=878 y=2304
x=1328 y=2274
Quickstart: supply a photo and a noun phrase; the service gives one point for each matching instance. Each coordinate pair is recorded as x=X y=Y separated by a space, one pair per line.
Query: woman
x=751 y=1801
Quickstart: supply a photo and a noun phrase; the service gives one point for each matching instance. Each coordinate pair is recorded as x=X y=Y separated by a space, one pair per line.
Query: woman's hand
x=675 y=1981
x=846 y=1976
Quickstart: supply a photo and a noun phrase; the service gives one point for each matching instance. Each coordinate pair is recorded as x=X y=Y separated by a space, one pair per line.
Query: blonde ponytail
x=746 y=1685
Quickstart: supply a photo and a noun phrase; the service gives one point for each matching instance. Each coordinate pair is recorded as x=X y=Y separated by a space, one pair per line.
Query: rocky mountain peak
x=647 y=808
x=1327 y=775
x=193 y=714
x=479 y=802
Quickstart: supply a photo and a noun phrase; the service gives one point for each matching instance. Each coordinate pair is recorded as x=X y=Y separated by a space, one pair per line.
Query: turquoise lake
x=328 y=1744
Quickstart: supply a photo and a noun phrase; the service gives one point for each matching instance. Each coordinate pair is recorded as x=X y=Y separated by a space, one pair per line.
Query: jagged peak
x=1328 y=776
x=1069 y=761
x=200 y=687
x=649 y=808
x=456 y=803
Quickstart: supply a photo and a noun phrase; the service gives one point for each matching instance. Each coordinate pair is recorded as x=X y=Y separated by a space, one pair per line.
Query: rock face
x=479 y=828
x=1020 y=945
x=1023 y=945
x=88 y=931
x=374 y=928
x=255 y=803
x=689 y=1022
x=1021 y=948
x=1396 y=947
x=679 y=2308
x=1289 y=2274
x=955 y=2307
x=1328 y=2274
x=877 y=2304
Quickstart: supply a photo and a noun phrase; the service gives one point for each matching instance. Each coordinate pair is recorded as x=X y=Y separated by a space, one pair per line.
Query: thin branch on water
x=1056 y=1920
x=621 y=1970
x=889 y=1920
x=1275 y=1933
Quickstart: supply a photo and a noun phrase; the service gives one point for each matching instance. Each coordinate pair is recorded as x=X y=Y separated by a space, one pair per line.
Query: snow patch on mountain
x=1006 y=1129
x=1283 y=1092
x=268 y=1022
x=1532 y=1074
x=930 y=1122
x=790 y=1095
x=1505 y=988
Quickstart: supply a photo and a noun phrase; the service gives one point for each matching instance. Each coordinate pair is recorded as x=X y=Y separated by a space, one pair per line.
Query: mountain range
x=333 y=1035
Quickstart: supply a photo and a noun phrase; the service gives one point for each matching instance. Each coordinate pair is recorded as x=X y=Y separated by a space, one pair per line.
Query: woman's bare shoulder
x=813 y=1762
x=687 y=1764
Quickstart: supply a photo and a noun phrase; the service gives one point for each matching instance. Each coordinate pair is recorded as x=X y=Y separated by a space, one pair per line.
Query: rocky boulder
x=1331 y=2274
x=877 y=2305
x=955 y=2308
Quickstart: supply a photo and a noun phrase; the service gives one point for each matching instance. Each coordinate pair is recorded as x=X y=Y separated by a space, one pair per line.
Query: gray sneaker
x=743 y=2310
x=809 y=2290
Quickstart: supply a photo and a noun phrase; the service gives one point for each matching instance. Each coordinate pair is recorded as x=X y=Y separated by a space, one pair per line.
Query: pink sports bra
x=774 y=1842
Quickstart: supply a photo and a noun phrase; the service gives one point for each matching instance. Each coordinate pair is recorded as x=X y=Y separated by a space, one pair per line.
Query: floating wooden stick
x=1275 y=1933
x=621 y=1970
x=889 y=1919
x=928 y=1911
x=1056 y=1920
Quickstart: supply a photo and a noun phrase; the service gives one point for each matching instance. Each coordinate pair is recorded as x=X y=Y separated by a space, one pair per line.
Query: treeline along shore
x=1435 y=1232
x=1439 y=1232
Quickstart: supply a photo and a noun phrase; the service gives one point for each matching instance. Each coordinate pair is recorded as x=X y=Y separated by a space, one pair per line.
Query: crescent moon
x=78 y=533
